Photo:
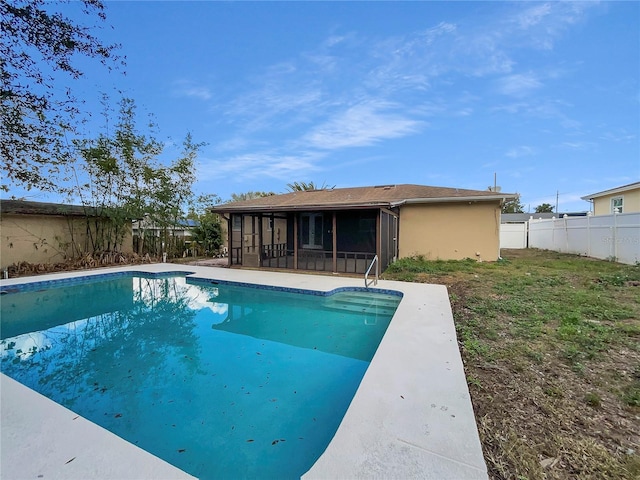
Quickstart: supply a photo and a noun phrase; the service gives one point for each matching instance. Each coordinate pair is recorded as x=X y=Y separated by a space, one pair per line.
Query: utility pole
x=557 y=195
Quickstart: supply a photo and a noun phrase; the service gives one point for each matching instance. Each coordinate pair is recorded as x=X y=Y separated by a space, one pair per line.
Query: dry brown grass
x=84 y=262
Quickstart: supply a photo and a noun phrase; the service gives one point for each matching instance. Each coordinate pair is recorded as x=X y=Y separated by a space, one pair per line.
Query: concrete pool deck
x=411 y=416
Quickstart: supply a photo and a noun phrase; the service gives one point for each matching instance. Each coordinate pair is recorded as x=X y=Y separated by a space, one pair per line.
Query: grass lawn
x=551 y=348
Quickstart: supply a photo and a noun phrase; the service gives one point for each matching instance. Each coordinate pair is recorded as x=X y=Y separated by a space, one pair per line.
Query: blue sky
x=544 y=95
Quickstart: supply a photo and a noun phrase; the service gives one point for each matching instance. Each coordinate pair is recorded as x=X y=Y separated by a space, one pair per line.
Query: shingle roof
x=25 y=207
x=358 y=197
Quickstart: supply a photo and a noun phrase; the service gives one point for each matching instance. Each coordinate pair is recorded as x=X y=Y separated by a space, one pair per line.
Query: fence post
x=589 y=234
x=615 y=234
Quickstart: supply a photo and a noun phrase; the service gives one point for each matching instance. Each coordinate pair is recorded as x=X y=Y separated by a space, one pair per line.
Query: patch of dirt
x=529 y=253
x=209 y=262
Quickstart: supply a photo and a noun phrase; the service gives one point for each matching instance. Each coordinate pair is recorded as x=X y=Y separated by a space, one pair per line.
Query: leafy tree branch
x=36 y=43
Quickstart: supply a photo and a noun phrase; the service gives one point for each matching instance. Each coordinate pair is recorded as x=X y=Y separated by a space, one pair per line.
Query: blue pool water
x=220 y=380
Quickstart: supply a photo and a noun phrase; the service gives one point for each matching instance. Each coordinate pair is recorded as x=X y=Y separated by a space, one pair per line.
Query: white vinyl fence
x=513 y=235
x=610 y=237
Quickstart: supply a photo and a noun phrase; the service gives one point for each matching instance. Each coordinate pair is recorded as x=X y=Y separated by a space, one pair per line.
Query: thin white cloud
x=622 y=137
x=512 y=108
x=533 y=16
x=187 y=88
x=521 y=151
x=482 y=53
x=518 y=85
x=251 y=166
x=334 y=40
x=577 y=145
x=617 y=181
x=234 y=143
x=361 y=125
x=540 y=25
x=282 y=96
x=202 y=93
x=544 y=108
x=463 y=112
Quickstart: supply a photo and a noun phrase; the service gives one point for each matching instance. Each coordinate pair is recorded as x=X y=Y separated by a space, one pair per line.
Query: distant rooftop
x=25 y=207
x=524 y=217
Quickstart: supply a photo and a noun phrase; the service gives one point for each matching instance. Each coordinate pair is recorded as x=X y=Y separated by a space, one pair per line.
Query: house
x=343 y=229
x=154 y=238
x=525 y=217
x=183 y=229
x=149 y=236
x=39 y=232
x=625 y=199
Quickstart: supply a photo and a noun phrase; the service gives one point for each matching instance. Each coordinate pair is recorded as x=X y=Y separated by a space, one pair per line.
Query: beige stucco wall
x=451 y=231
x=44 y=239
x=631 y=203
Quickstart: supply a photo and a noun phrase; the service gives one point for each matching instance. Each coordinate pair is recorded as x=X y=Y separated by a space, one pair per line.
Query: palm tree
x=304 y=186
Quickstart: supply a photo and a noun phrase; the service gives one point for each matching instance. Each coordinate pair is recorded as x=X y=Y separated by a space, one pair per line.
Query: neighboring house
x=148 y=236
x=341 y=230
x=625 y=199
x=152 y=238
x=38 y=232
x=183 y=230
x=525 y=217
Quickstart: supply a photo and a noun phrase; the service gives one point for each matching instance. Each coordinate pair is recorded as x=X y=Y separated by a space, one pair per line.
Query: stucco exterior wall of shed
x=631 y=202
x=450 y=231
x=44 y=239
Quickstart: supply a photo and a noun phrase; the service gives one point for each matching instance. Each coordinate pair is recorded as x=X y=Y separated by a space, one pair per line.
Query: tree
x=208 y=231
x=304 y=186
x=171 y=191
x=120 y=178
x=241 y=197
x=513 y=206
x=113 y=176
x=544 y=208
x=35 y=117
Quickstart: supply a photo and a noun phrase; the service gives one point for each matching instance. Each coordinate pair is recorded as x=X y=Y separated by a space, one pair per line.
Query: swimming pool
x=220 y=379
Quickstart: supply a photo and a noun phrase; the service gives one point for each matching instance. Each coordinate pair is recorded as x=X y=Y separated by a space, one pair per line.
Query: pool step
x=381 y=304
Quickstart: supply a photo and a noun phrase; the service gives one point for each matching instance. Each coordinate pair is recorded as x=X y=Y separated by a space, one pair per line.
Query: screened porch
x=340 y=241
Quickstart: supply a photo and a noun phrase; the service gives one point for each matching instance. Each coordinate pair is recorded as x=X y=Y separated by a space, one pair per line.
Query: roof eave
x=612 y=191
x=292 y=208
x=478 y=198
x=360 y=205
